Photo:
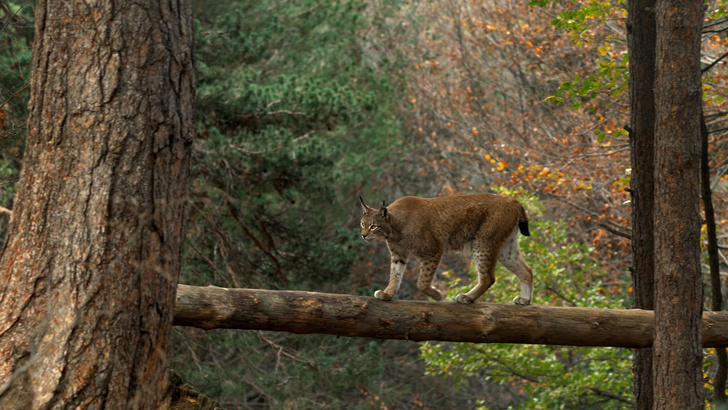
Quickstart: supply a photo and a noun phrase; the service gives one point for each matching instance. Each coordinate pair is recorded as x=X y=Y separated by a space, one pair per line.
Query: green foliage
x=8 y=179
x=295 y=113
x=719 y=10
x=575 y=21
x=15 y=47
x=256 y=206
x=545 y=376
x=331 y=371
x=611 y=76
x=300 y=66
x=279 y=370
x=15 y=56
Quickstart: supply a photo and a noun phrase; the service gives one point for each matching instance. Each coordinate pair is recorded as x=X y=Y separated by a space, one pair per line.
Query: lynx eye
x=373 y=227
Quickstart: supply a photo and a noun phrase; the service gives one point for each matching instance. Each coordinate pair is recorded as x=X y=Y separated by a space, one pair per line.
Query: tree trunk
x=89 y=269
x=358 y=316
x=641 y=36
x=678 y=283
x=721 y=370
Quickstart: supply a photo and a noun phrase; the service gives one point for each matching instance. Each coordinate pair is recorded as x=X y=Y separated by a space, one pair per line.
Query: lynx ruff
x=485 y=224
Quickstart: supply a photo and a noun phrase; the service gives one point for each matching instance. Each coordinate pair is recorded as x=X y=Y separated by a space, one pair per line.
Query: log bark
x=358 y=316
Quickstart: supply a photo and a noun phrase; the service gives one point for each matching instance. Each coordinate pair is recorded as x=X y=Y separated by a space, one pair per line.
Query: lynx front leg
x=396 y=270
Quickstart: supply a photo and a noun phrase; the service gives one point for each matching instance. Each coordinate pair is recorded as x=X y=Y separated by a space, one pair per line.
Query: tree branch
x=711 y=65
x=614 y=231
x=357 y=316
x=609 y=394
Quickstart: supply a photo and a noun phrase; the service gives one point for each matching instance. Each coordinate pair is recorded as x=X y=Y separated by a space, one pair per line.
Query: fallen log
x=359 y=316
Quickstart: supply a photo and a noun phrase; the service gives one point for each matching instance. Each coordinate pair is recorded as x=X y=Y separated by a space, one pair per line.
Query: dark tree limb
x=614 y=231
x=611 y=395
x=711 y=65
x=359 y=316
x=641 y=43
x=721 y=371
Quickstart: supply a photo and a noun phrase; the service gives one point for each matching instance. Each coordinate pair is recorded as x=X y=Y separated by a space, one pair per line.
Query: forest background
x=304 y=105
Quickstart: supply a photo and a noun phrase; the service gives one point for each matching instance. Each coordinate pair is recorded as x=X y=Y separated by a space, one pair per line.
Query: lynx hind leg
x=510 y=256
x=428 y=267
x=484 y=258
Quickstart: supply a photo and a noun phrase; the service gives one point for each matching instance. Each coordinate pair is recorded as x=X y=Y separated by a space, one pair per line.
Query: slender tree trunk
x=641 y=36
x=719 y=378
x=678 y=283
x=89 y=270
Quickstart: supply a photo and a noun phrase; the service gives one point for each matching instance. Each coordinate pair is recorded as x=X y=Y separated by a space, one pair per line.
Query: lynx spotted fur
x=425 y=228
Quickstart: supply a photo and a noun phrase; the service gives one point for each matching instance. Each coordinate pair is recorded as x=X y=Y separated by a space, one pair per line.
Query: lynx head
x=374 y=223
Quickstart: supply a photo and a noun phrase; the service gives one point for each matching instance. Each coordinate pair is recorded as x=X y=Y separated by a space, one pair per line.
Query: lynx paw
x=461 y=298
x=434 y=294
x=520 y=300
x=382 y=296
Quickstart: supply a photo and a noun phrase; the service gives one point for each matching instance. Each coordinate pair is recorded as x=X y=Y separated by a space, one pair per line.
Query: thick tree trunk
x=677 y=351
x=89 y=271
x=357 y=316
x=641 y=37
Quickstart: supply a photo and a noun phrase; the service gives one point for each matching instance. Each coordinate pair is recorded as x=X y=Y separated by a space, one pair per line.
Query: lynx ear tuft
x=364 y=206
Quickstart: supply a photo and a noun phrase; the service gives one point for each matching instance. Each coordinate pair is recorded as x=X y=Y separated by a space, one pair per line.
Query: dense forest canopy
x=303 y=106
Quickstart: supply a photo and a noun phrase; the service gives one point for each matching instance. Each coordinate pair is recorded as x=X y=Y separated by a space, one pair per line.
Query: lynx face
x=375 y=225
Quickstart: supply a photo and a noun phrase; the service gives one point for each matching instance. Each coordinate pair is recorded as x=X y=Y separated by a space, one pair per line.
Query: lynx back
x=426 y=228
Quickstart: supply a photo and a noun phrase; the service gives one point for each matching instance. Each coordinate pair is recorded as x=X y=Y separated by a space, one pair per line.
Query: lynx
x=485 y=224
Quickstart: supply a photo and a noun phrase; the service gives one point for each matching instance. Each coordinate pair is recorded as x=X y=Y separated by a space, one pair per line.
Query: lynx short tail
x=523 y=227
x=523 y=222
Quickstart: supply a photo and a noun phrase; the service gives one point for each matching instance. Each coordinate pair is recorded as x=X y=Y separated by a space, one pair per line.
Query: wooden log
x=359 y=316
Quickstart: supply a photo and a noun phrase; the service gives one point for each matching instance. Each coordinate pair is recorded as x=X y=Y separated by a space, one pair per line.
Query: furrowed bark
x=89 y=270
x=677 y=356
x=358 y=316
